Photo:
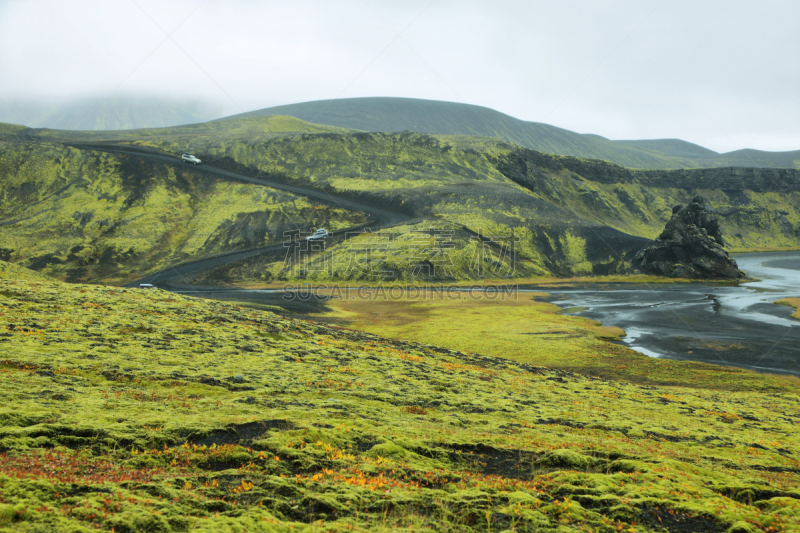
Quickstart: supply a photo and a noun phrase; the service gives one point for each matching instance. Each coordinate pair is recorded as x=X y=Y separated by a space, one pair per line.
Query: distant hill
x=388 y=114
x=448 y=118
x=115 y=113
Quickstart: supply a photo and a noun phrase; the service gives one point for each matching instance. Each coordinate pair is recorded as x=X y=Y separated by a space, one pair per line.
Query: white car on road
x=189 y=158
x=320 y=234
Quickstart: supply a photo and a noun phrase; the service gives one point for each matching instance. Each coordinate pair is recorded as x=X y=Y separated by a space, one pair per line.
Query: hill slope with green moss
x=450 y=118
x=150 y=411
x=568 y=216
x=758 y=208
x=82 y=211
x=79 y=214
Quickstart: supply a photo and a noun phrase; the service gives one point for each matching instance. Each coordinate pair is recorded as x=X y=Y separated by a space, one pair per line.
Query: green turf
x=521 y=327
x=149 y=411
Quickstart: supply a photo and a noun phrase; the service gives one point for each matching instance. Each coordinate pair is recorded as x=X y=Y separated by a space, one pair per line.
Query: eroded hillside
x=758 y=208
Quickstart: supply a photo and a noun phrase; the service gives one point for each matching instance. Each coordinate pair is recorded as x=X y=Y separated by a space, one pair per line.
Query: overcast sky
x=721 y=73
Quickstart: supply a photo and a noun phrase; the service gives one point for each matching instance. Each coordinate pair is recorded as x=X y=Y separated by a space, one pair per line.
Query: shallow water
x=738 y=326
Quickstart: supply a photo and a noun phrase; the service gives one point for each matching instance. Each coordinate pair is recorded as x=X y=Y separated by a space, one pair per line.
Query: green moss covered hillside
x=85 y=215
x=116 y=206
x=565 y=215
x=127 y=410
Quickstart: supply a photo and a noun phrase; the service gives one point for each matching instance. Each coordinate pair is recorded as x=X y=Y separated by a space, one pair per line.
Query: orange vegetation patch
x=70 y=467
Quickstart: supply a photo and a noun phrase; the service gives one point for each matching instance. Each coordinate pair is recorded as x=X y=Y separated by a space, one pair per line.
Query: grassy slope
x=123 y=410
x=444 y=184
x=79 y=214
x=10 y=128
x=454 y=184
x=255 y=129
x=449 y=118
x=791 y=302
x=750 y=220
x=17 y=273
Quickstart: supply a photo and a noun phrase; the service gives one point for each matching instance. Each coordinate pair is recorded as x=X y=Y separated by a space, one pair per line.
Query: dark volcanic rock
x=689 y=247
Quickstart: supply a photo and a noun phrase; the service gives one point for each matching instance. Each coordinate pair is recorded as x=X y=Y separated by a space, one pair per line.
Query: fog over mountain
x=117 y=112
x=716 y=73
x=388 y=114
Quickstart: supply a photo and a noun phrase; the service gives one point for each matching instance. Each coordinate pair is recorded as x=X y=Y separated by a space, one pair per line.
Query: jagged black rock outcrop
x=689 y=247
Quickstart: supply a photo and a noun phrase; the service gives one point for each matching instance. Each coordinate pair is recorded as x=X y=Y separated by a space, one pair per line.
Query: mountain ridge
x=391 y=114
x=450 y=118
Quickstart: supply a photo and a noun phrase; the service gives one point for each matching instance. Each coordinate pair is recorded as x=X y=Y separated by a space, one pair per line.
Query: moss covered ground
x=522 y=327
x=142 y=410
x=548 y=281
x=450 y=189
x=750 y=221
x=245 y=127
x=465 y=180
x=16 y=272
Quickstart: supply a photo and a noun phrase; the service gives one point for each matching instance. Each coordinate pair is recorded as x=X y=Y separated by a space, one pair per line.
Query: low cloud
x=719 y=73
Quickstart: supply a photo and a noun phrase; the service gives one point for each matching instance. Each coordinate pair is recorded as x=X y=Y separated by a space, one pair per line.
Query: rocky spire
x=689 y=247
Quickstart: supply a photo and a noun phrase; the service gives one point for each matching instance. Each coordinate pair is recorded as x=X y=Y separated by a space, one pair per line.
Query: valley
x=226 y=403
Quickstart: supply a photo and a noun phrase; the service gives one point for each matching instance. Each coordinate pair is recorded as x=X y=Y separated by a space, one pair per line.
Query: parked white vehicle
x=320 y=234
x=189 y=158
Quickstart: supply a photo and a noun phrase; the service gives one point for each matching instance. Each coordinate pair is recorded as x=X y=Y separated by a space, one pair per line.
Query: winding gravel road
x=171 y=277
